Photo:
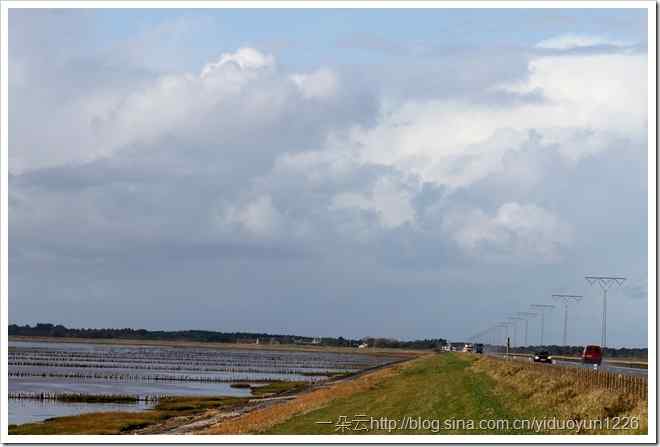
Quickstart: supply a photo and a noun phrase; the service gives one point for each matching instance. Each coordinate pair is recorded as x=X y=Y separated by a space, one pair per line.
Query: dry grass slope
x=562 y=396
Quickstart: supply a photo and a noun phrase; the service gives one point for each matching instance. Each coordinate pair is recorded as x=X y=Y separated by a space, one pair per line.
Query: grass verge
x=437 y=388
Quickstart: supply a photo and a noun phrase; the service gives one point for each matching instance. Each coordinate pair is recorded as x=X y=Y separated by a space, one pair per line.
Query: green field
x=439 y=387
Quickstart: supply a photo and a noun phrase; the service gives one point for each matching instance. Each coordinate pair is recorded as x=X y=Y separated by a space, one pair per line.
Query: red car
x=592 y=354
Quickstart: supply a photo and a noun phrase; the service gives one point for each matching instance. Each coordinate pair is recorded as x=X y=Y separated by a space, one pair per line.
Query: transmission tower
x=542 y=308
x=526 y=316
x=605 y=282
x=566 y=299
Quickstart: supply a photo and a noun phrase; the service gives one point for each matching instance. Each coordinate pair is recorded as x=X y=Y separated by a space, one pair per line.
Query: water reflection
x=22 y=411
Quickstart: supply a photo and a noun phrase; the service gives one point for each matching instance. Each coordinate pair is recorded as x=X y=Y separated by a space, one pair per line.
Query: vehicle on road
x=468 y=347
x=592 y=354
x=479 y=348
x=542 y=357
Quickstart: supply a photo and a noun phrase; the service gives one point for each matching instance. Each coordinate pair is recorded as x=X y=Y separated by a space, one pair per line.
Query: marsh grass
x=120 y=422
x=83 y=398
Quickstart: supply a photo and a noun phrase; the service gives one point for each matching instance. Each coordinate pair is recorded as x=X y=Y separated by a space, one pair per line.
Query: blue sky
x=308 y=37
x=399 y=173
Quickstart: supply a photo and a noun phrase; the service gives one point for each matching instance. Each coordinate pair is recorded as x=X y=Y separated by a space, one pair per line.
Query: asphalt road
x=605 y=366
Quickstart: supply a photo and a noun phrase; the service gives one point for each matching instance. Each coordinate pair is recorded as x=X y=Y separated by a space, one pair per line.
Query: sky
x=390 y=173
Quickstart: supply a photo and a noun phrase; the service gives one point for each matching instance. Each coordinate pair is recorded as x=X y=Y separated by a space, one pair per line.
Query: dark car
x=479 y=348
x=542 y=357
x=592 y=354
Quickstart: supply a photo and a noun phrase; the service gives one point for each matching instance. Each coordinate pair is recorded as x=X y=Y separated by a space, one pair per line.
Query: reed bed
x=154 y=377
x=173 y=363
x=215 y=358
x=87 y=398
x=183 y=367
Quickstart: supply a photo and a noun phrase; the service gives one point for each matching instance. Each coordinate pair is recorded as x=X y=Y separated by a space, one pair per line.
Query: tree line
x=58 y=330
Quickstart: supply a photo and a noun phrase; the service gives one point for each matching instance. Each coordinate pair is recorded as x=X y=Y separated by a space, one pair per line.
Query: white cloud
x=589 y=103
x=245 y=59
x=389 y=200
x=514 y=231
x=570 y=41
x=258 y=217
x=321 y=84
x=241 y=96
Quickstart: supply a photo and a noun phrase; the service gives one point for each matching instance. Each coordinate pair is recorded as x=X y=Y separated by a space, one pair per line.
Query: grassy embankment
x=120 y=422
x=448 y=387
x=561 y=397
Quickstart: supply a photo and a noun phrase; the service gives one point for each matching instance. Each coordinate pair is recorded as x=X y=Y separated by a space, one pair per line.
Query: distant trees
x=50 y=330
x=427 y=343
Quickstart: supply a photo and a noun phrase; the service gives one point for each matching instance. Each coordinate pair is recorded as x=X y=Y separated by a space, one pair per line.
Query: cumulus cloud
x=593 y=100
x=345 y=183
x=259 y=217
x=524 y=230
x=245 y=59
x=241 y=96
x=322 y=83
x=389 y=201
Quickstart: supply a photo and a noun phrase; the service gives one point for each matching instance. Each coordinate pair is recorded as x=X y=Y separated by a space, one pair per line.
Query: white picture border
x=335 y=439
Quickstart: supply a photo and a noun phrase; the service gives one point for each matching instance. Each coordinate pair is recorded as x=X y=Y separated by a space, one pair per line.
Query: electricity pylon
x=542 y=308
x=605 y=282
x=566 y=299
x=526 y=316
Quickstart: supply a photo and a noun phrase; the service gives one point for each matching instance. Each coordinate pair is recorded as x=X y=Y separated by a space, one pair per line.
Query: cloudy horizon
x=328 y=173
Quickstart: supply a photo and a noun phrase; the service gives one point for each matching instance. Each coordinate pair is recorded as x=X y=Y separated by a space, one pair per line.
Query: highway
x=605 y=366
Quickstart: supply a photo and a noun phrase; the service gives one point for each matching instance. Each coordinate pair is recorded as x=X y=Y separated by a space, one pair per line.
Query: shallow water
x=100 y=386
x=22 y=411
x=147 y=370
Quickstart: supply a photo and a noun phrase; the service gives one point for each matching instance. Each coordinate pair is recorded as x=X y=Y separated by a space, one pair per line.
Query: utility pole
x=566 y=299
x=605 y=282
x=527 y=316
x=542 y=308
